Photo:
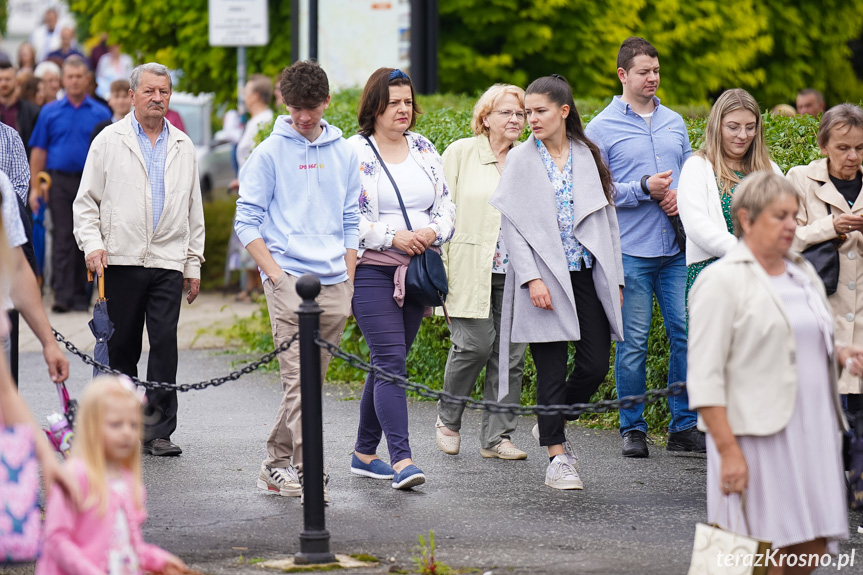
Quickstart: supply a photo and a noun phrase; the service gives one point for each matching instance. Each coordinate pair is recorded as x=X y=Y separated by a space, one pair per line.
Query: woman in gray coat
x=566 y=272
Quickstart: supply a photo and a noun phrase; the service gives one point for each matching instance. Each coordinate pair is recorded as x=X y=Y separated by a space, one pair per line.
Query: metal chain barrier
x=422 y=390
x=573 y=410
x=216 y=381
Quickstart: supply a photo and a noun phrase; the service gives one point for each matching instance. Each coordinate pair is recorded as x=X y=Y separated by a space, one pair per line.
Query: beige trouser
x=286 y=438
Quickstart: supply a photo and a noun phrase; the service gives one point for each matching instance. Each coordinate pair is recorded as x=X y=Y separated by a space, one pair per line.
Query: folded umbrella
x=39 y=225
x=101 y=325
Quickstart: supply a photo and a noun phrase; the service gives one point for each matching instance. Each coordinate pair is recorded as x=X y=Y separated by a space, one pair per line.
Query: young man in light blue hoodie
x=298 y=213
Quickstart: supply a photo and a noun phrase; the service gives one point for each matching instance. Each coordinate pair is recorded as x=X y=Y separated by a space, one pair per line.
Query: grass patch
x=364 y=557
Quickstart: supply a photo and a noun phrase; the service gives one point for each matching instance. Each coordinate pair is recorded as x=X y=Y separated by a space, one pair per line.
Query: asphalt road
x=634 y=516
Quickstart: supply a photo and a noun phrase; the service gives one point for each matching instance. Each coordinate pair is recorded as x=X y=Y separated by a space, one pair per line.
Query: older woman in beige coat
x=832 y=209
x=762 y=373
x=476 y=261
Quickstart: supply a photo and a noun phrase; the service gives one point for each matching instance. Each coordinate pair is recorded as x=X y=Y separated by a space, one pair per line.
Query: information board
x=239 y=23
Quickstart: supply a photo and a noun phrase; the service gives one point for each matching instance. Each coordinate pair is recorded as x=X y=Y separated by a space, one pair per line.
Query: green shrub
x=447 y=118
x=219 y=219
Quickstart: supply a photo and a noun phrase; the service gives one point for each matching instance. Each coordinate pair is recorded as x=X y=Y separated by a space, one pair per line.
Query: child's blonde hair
x=88 y=445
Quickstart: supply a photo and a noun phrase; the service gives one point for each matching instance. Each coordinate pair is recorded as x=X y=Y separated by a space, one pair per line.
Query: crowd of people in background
x=564 y=240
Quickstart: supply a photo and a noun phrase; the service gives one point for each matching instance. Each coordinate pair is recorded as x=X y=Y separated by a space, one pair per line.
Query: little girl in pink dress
x=103 y=535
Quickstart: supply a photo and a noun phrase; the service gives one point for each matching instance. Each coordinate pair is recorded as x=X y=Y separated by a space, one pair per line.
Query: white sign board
x=26 y=15
x=239 y=23
x=356 y=37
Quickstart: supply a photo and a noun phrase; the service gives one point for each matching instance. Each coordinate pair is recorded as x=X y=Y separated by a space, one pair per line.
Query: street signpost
x=239 y=23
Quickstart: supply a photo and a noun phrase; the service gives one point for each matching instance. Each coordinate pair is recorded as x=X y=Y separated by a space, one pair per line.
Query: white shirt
x=13 y=227
x=122 y=559
x=647 y=118
x=45 y=42
x=247 y=141
x=417 y=192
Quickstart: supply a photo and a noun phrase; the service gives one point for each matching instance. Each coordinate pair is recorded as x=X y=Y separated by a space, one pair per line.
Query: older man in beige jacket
x=139 y=209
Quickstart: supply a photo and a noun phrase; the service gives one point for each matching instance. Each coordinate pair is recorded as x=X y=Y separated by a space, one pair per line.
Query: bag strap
x=393 y=182
x=742 y=513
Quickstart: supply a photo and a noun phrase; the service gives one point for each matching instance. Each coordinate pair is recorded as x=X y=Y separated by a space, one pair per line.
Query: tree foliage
x=176 y=33
x=4 y=15
x=811 y=48
x=771 y=48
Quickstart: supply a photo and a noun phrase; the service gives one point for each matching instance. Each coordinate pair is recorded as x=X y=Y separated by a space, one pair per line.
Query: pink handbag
x=20 y=515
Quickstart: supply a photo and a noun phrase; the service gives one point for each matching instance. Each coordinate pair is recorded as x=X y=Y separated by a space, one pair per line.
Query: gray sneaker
x=561 y=474
x=567 y=447
x=281 y=480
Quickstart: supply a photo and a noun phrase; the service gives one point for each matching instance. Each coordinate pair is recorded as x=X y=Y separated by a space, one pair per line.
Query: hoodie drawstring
x=308 y=183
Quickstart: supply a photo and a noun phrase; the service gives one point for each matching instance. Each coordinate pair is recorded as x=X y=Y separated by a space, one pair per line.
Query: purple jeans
x=389 y=331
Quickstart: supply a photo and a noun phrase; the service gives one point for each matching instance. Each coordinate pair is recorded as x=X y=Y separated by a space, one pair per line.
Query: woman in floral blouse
x=476 y=261
x=388 y=320
x=565 y=277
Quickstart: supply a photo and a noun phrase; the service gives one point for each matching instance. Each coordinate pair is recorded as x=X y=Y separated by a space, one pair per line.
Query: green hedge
x=447 y=118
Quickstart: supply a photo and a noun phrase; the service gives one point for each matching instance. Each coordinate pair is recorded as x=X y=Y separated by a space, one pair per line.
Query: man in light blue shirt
x=645 y=145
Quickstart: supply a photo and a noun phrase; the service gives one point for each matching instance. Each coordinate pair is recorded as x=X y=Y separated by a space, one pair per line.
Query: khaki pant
x=475 y=345
x=286 y=438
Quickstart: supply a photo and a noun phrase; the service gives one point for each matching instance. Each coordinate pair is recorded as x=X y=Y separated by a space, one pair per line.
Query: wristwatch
x=644 y=185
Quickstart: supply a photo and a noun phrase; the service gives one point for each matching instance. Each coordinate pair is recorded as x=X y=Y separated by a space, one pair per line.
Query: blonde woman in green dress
x=733 y=148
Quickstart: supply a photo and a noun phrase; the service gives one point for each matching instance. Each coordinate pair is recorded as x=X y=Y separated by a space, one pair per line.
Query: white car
x=215 y=157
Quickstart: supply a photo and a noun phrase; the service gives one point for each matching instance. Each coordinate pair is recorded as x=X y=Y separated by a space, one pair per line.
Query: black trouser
x=137 y=294
x=69 y=271
x=592 y=353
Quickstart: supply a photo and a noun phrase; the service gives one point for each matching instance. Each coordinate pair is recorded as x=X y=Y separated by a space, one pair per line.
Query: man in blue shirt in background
x=59 y=143
x=645 y=145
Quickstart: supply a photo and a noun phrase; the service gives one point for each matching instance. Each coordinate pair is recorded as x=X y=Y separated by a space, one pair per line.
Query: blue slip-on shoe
x=410 y=476
x=377 y=469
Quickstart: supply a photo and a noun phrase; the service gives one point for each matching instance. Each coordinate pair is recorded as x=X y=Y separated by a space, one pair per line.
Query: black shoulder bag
x=824 y=257
x=425 y=282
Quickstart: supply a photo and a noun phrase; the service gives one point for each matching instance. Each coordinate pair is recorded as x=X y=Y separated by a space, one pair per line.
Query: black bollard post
x=315 y=539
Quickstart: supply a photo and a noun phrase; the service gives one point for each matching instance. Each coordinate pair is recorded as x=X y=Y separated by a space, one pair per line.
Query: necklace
x=562 y=152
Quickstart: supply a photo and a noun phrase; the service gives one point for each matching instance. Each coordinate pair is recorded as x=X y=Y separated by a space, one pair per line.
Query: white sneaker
x=281 y=480
x=567 y=447
x=561 y=474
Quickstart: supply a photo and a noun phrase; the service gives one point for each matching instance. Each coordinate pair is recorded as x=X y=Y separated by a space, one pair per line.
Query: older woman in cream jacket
x=831 y=209
x=476 y=260
x=762 y=374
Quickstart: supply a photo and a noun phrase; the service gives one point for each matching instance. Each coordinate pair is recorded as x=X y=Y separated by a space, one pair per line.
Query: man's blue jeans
x=665 y=277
